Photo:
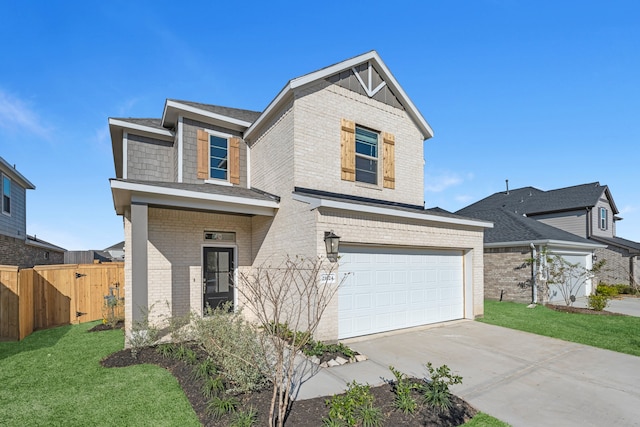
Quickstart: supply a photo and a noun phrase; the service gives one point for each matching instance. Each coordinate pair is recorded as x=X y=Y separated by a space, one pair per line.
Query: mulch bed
x=571 y=309
x=303 y=413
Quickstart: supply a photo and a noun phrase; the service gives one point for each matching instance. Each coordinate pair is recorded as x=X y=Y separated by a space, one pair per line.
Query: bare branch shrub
x=288 y=297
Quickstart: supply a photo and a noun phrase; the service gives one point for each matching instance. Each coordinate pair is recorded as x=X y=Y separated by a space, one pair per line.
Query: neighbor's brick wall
x=149 y=159
x=16 y=252
x=506 y=270
x=357 y=228
x=318 y=113
x=617 y=269
x=190 y=154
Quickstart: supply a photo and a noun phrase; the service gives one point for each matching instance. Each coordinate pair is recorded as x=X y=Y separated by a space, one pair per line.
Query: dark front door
x=218 y=276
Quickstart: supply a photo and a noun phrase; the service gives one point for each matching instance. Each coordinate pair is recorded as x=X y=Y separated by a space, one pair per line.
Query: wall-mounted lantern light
x=594 y=257
x=331 y=242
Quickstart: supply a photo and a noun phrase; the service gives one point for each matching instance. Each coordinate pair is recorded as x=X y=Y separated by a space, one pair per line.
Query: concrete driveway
x=521 y=378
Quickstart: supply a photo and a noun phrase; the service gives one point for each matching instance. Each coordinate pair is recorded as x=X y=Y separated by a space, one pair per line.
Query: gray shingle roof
x=236 y=113
x=530 y=200
x=633 y=247
x=250 y=193
x=512 y=227
x=152 y=123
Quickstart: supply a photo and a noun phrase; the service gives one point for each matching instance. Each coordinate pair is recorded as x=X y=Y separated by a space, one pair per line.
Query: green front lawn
x=617 y=333
x=53 y=377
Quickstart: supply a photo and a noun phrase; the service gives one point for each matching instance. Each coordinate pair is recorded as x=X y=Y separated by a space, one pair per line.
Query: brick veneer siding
x=617 y=268
x=506 y=272
x=16 y=252
x=318 y=111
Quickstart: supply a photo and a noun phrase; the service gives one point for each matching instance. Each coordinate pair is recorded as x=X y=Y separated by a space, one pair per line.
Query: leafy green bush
x=219 y=406
x=246 y=418
x=626 y=289
x=232 y=345
x=402 y=389
x=597 y=302
x=607 y=290
x=436 y=392
x=354 y=407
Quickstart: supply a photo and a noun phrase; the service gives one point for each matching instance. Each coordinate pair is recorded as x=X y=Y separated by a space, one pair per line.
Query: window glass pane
x=366 y=142
x=366 y=170
x=6 y=195
x=218 y=161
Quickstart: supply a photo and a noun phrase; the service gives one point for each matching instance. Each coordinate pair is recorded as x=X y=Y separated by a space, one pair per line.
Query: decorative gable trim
x=368 y=85
x=371 y=57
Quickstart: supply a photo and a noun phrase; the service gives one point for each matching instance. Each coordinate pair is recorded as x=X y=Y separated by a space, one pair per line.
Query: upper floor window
x=218 y=157
x=219 y=154
x=366 y=156
x=603 y=218
x=6 y=195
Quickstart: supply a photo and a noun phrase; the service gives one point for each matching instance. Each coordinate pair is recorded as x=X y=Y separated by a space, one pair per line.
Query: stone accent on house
x=15 y=251
x=507 y=274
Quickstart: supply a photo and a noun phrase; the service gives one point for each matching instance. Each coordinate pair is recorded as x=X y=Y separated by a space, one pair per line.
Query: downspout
x=534 y=275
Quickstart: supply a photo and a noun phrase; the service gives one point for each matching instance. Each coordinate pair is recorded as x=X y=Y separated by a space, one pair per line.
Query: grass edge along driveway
x=617 y=333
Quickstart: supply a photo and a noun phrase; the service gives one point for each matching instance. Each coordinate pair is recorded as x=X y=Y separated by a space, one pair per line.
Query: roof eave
x=545 y=242
x=317 y=202
x=124 y=193
x=310 y=78
x=15 y=175
x=174 y=109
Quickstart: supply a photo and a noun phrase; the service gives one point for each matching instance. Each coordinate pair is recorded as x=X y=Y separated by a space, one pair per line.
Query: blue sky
x=544 y=93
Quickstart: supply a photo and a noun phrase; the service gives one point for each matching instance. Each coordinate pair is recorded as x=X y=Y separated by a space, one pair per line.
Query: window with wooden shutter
x=234 y=160
x=347 y=149
x=203 y=154
x=389 y=166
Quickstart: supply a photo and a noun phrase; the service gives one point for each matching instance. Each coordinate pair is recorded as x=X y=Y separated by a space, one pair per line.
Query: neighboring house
x=113 y=253
x=208 y=192
x=16 y=247
x=577 y=222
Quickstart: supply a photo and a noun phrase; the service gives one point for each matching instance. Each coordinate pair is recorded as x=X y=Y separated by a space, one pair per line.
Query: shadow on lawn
x=36 y=341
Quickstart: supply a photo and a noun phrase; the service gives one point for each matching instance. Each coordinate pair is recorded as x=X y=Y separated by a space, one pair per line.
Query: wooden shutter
x=389 y=160
x=203 y=154
x=348 y=150
x=234 y=160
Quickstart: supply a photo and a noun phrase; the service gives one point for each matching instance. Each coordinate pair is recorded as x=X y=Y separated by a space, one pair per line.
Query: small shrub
x=246 y=418
x=232 y=344
x=143 y=333
x=597 y=302
x=349 y=408
x=166 y=350
x=219 y=406
x=607 y=290
x=402 y=388
x=370 y=416
x=204 y=369
x=625 y=289
x=436 y=392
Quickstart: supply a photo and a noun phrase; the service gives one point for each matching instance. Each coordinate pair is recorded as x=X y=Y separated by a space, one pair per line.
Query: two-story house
x=16 y=246
x=578 y=222
x=207 y=192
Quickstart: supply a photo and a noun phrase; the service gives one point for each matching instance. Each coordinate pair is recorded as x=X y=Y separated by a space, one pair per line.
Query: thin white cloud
x=464 y=198
x=439 y=183
x=16 y=114
x=628 y=209
x=124 y=109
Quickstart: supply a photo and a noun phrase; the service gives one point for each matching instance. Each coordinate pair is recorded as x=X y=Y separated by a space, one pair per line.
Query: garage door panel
x=397 y=289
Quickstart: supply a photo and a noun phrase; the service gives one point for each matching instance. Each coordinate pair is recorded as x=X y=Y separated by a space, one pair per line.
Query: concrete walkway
x=521 y=378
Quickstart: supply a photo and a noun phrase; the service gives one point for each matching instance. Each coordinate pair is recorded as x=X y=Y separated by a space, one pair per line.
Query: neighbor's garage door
x=387 y=289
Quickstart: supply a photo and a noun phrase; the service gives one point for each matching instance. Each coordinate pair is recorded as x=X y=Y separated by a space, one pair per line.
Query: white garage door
x=387 y=289
x=577 y=286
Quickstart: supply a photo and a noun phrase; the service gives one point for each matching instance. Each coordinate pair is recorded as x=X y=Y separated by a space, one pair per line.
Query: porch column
x=139 y=256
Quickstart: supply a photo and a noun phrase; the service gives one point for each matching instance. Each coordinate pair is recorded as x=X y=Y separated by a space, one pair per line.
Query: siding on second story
x=149 y=159
x=13 y=201
x=319 y=132
x=602 y=219
x=575 y=222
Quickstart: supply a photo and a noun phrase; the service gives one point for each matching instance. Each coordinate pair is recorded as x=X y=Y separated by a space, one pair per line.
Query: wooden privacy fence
x=52 y=295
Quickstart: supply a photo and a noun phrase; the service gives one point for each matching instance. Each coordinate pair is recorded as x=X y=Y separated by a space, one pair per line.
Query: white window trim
x=125 y=158
x=604 y=221
x=226 y=182
x=180 y=145
x=378 y=184
x=2 y=193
